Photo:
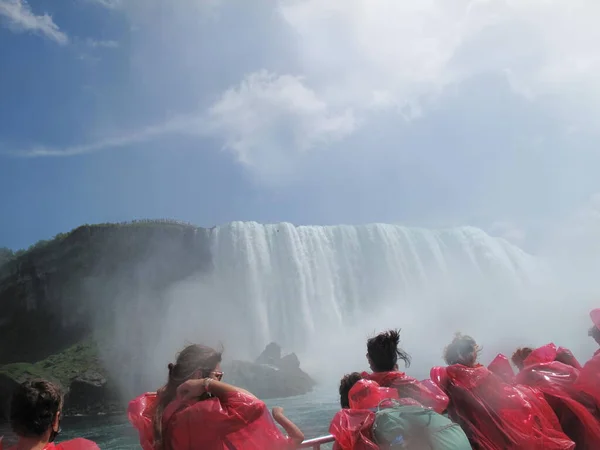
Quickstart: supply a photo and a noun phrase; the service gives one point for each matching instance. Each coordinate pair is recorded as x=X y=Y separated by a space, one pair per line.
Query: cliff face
x=60 y=302
x=49 y=295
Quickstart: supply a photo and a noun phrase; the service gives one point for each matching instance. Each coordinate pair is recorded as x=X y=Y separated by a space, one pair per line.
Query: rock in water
x=271 y=376
x=91 y=393
x=270 y=355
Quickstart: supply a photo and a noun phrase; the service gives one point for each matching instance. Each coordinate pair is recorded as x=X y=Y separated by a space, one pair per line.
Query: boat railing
x=316 y=443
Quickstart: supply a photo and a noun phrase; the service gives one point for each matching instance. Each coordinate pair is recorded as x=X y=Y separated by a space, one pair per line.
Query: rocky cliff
x=58 y=299
x=49 y=294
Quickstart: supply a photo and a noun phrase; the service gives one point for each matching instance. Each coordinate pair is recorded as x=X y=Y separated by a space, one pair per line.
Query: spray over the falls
x=320 y=291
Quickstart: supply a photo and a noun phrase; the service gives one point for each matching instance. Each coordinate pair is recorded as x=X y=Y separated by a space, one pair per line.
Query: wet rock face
x=55 y=287
x=271 y=375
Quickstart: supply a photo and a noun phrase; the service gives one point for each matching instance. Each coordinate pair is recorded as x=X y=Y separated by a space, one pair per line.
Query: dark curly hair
x=519 y=356
x=33 y=407
x=462 y=350
x=383 y=351
x=346 y=383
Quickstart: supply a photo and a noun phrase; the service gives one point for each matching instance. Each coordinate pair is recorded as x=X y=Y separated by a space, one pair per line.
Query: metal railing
x=316 y=443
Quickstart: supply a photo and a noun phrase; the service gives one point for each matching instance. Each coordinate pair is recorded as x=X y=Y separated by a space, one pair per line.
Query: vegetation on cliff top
x=6 y=254
x=62 y=367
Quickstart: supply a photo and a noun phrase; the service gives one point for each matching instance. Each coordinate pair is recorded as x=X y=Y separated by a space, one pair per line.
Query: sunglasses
x=217 y=375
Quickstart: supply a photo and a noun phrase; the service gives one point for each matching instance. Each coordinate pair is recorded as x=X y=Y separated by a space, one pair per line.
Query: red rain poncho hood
x=577 y=411
x=426 y=393
x=73 y=444
x=239 y=421
x=494 y=414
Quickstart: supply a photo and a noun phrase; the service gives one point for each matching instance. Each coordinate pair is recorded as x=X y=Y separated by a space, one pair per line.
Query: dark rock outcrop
x=55 y=287
x=90 y=393
x=271 y=375
x=270 y=355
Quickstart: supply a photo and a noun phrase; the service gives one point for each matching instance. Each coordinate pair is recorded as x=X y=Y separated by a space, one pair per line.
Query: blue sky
x=434 y=113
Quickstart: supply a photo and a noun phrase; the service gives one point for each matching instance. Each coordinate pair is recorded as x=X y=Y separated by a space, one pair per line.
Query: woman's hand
x=277 y=411
x=191 y=389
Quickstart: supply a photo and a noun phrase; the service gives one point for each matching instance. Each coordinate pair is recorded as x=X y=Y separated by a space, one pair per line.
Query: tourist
x=375 y=417
x=494 y=414
x=196 y=409
x=35 y=414
x=589 y=376
x=577 y=411
x=383 y=353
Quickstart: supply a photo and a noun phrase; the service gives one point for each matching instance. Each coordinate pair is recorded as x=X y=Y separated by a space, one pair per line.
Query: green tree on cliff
x=6 y=254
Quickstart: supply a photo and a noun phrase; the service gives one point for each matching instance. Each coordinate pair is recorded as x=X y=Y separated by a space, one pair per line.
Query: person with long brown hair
x=196 y=409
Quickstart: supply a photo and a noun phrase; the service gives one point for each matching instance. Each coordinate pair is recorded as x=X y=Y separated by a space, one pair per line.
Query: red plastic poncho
x=494 y=414
x=589 y=378
x=501 y=367
x=429 y=395
x=577 y=411
x=238 y=419
x=73 y=444
x=352 y=429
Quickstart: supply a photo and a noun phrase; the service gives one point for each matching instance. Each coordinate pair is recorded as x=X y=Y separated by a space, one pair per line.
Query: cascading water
x=319 y=290
x=288 y=284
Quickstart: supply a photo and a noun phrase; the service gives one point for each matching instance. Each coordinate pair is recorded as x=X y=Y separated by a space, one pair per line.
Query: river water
x=311 y=412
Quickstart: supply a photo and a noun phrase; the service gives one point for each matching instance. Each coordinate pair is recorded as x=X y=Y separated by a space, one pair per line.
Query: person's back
x=35 y=412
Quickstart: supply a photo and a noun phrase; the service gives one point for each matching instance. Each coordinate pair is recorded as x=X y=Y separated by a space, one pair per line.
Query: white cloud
x=408 y=50
x=245 y=117
x=358 y=57
x=109 y=4
x=93 y=43
x=20 y=18
x=269 y=118
x=175 y=125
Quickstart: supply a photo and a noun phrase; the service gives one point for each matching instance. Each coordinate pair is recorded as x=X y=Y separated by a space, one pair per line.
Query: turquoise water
x=311 y=412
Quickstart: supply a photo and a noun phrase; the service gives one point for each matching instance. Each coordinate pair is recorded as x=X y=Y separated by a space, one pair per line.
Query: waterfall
x=321 y=290
x=290 y=283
